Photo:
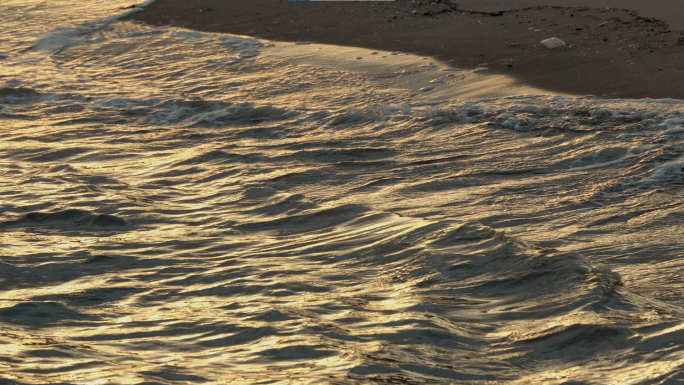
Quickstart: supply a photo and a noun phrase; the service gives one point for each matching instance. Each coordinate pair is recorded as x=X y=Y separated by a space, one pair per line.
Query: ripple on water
x=215 y=211
x=68 y=219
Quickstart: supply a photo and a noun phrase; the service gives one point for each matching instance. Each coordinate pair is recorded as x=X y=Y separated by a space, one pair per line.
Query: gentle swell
x=68 y=219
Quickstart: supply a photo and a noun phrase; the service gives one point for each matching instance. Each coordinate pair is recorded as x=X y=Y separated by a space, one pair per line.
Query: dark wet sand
x=611 y=53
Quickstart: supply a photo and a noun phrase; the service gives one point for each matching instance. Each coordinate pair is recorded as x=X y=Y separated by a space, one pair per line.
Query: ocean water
x=180 y=207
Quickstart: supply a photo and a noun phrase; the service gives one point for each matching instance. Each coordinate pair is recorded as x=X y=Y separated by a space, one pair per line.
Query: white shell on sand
x=480 y=70
x=553 y=42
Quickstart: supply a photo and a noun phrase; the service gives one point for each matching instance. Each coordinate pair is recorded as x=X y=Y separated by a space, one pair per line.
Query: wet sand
x=611 y=53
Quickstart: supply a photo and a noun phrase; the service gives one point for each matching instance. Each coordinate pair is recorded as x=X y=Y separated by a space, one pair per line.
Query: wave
x=64 y=36
x=12 y=95
x=68 y=219
x=41 y=314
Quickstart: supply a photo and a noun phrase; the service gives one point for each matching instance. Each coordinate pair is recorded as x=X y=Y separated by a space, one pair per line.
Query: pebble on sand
x=553 y=43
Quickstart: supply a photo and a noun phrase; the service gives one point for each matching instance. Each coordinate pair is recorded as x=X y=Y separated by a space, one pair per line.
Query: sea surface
x=180 y=207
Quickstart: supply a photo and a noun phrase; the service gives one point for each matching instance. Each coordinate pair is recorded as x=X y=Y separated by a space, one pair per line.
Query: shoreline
x=610 y=53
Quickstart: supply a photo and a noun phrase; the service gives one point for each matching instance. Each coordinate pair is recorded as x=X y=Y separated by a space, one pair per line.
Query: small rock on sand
x=481 y=70
x=553 y=43
x=428 y=88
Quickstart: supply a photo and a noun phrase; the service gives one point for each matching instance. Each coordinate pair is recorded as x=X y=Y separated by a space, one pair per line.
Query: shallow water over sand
x=181 y=207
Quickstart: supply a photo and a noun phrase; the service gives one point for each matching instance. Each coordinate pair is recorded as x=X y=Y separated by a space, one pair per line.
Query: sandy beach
x=613 y=53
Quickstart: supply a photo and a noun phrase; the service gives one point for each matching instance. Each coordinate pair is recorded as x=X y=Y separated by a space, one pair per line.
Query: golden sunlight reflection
x=181 y=207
